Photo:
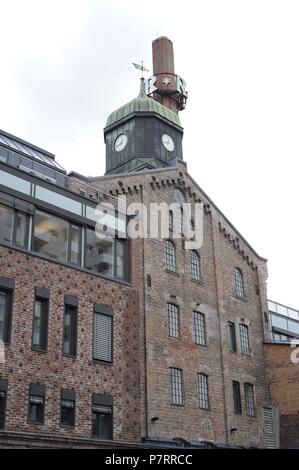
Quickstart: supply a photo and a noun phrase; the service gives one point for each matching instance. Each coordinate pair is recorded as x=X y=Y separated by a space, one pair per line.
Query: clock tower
x=146 y=133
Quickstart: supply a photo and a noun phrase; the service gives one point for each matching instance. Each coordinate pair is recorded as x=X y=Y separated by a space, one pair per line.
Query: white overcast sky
x=65 y=65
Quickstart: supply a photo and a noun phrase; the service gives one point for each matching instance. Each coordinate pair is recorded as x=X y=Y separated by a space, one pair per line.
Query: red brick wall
x=24 y=366
x=283 y=379
x=222 y=250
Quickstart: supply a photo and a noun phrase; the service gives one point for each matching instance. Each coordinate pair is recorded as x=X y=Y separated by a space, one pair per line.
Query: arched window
x=170 y=258
x=195 y=265
x=239 y=284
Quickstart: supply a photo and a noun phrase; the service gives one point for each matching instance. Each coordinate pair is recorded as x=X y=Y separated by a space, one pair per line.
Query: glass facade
x=50 y=236
x=284 y=322
x=56 y=237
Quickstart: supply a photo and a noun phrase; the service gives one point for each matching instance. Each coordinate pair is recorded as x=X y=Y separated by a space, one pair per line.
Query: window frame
x=203 y=393
x=232 y=338
x=105 y=310
x=196 y=326
x=249 y=400
x=71 y=303
x=177 y=324
x=43 y=346
x=173 y=387
x=39 y=392
x=70 y=396
x=237 y=399
x=239 y=287
x=3 y=391
x=105 y=401
x=195 y=267
x=69 y=224
x=244 y=340
x=170 y=258
x=7 y=287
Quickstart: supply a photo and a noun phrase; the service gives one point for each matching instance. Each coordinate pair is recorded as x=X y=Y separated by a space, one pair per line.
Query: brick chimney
x=170 y=87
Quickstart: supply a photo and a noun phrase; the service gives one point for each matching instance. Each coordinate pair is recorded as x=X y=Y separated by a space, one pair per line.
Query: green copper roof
x=143 y=103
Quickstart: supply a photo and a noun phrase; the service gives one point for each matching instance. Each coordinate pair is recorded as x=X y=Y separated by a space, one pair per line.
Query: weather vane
x=140 y=67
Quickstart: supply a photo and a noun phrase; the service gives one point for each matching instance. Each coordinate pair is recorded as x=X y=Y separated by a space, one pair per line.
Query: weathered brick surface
x=24 y=366
x=223 y=249
x=283 y=379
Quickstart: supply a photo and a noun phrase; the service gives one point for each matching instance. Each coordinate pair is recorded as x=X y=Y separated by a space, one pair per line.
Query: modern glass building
x=284 y=321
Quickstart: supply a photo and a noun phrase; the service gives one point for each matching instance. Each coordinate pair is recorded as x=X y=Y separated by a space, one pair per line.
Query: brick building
x=281 y=355
x=127 y=341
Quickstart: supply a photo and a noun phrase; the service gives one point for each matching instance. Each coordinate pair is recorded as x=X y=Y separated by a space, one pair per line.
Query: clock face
x=168 y=142
x=120 y=142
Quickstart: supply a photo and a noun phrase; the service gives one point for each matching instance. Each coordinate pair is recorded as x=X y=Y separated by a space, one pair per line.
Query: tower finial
x=140 y=67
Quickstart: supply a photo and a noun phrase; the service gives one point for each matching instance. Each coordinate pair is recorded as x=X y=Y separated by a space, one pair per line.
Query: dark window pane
x=237 y=398
x=67 y=413
x=175 y=386
x=6 y=223
x=102 y=422
x=232 y=337
x=40 y=323
x=5 y=312
x=50 y=236
x=36 y=409
x=70 y=330
x=2 y=409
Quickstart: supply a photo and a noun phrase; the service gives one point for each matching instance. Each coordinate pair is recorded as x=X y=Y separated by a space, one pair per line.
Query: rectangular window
x=103 y=333
x=102 y=416
x=249 y=399
x=176 y=386
x=5 y=314
x=56 y=237
x=173 y=321
x=199 y=328
x=13 y=226
x=99 y=253
x=70 y=327
x=237 y=398
x=40 y=323
x=232 y=337
x=203 y=391
x=6 y=223
x=2 y=409
x=68 y=402
x=3 y=393
x=36 y=404
x=244 y=340
x=74 y=244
